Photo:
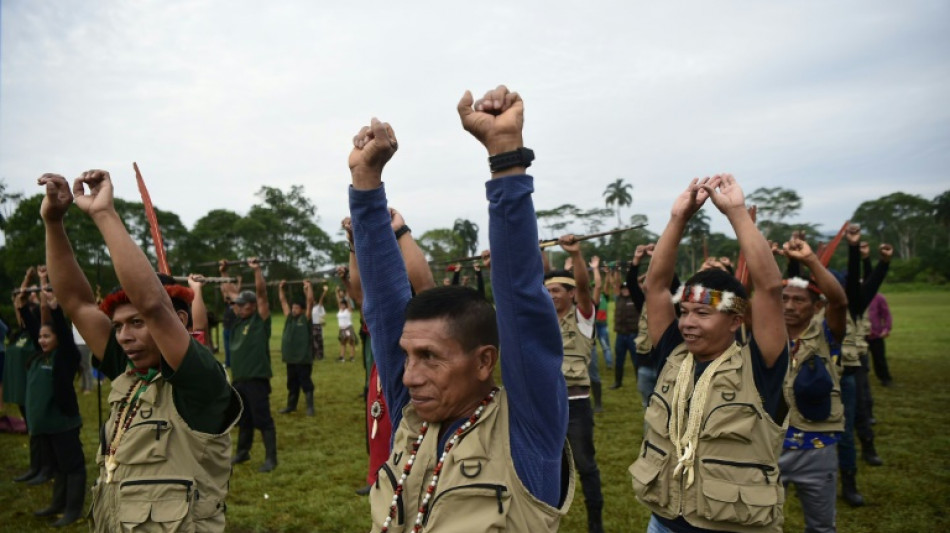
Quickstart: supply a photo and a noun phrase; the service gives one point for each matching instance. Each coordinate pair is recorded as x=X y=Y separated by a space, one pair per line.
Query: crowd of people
x=750 y=380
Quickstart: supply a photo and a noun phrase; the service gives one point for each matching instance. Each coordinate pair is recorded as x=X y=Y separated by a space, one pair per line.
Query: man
x=168 y=436
x=251 y=370
x=295 y=347
x=574 y=305
x=812 y=387
x=709 y=458
x=627 y=311
x=601 y=333
x=503 y=450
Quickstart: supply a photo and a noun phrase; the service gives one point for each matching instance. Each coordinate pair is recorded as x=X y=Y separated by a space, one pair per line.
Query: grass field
x=323 y=459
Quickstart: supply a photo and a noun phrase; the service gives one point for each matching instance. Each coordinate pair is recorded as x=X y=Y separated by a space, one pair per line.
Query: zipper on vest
x=159 y=426
x=499 y=490
x=392 y=481
x=728 y=405
x=654 y=447
x=184 y=482
x=766 y=469
x=666 y=404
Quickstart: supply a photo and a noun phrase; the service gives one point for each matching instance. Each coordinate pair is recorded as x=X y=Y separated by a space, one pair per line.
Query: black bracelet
x=402 y=231
x=522 y=157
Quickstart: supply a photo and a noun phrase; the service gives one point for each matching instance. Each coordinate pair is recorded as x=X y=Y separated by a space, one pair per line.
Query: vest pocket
x=382 y=495
x=657 y=415
x=484 y=506
x=649 y=483
x=737 y=492
x=730 y=421
x=149 y=501
x=144 y=442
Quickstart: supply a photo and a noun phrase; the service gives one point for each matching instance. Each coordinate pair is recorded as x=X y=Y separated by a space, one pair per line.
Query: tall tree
x=898 y=218
x=942 y=212
x=775 y=204
x=467 y=232
x=618 y=193
x=696 y=230
x=441 y=244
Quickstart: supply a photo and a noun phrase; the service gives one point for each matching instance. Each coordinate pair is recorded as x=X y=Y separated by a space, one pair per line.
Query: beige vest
x=855 y=344
x=644 y=344
x=170 y=477
x=576 y=351
x=813 y=343
x=478 y=489
x=736 y=486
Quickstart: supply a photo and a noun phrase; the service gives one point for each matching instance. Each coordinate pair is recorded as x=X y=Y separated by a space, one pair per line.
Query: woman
x=347 y=335
x=52 y=411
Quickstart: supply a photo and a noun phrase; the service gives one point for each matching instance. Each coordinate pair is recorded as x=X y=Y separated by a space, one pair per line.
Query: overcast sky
x=841 y=101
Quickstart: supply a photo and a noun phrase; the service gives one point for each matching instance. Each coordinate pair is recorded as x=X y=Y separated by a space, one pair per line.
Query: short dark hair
x=719 y=280
x=470 y=317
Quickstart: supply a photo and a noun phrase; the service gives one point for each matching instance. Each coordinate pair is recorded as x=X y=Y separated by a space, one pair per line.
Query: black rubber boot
x=292 y=398
x=870 y=454
x=245 y=440
x=59 y=498
x=75 y=498
x=595 y=521
x=849 y=489
x=309 y=397
x=34 y=462
x=269 y=436
x=596 y=392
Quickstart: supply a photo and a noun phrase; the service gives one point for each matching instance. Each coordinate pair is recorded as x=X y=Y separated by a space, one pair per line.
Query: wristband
x=402 y=231
x=522 y=157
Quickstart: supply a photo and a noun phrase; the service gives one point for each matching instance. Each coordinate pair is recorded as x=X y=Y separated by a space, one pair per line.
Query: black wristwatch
x=522 y=157
x=402 y=231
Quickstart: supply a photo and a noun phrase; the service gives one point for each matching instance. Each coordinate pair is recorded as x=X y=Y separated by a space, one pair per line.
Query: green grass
x=323 y=459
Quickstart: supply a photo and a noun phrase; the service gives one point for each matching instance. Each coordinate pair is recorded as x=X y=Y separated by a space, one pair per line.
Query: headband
x=802 y=283
x=725 y=301
x=119 y=297
x=560 y=279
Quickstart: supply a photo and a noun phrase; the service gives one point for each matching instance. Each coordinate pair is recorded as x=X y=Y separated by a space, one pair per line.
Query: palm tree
x=467 y=232
x=618 y=193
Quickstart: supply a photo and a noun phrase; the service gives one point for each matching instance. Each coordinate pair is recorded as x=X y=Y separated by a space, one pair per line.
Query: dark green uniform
x=250 y=350
x=14 y=368
x=295 y=342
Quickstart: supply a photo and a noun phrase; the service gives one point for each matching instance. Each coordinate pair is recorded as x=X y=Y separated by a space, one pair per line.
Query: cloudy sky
x=842 y=101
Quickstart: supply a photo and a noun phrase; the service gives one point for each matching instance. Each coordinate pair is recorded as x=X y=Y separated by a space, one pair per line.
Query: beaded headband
x=119 y=297
x=560 y=279
x=802 y=283
x=725 y=301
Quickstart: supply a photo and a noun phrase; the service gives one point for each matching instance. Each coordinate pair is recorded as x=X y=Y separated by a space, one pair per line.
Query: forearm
x=260 y=289
x=199 y=312
x=872 y=284
x=136 y=275
x=480 y=281
x=582 y=294
x=353 y=284
x=420 y=276
x=72 y=287
x=837 y=305
x=660 y=274
x=763 y=270
x=856 y=304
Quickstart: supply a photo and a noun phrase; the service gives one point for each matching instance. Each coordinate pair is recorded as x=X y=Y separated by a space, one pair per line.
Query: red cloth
x=378 y=445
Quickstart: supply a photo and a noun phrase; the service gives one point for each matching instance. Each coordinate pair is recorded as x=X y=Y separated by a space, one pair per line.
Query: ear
x=818 y=305
x=486 y=357
x=735 y=322
x=183 y=316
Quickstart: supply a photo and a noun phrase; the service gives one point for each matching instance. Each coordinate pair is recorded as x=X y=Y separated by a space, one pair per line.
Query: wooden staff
x=207 y=279
x=232 y=262
x=828 y=251
x=152 y=223
x=551 y=242
x=30 y=290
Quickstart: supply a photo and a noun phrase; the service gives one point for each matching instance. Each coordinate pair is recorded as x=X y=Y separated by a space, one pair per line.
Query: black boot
x=75 y=498
x=269 y=436
x=596 y=392
x=292 y=398
x=59 y=498
x=46 y=462
x=595 y=521
x=849 y=489
x=245 y=440
x=45 y=474
x=308 y=395
x=870 y=454
x=34 y=461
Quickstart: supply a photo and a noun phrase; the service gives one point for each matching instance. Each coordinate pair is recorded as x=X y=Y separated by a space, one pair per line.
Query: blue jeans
x=603 y=337
x=646 y=382
x=847 y=456
x=624 y=344
x=656 y=527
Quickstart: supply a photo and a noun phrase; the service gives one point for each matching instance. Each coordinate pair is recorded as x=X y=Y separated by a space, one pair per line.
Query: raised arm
x=260 y=288
x=72 y=288
x=199 y=311
x=660 y=311
x=282 y=293
x=351 y=279
x=836 y=308
x=229 y=291
x=420 y=275
x=598 y=280
x=135 y=273
x=308 y=296
x=768 y=327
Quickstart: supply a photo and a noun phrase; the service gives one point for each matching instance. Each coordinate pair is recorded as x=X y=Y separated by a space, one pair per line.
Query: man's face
x=706 y=331
x=445 y=382
x=563 y=298
x=798 y=306
x=245 y=310
x=625 y=292
x=133 y=336
x=296 y=310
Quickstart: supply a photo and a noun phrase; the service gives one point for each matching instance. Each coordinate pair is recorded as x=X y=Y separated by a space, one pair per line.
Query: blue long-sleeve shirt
x=531 y=349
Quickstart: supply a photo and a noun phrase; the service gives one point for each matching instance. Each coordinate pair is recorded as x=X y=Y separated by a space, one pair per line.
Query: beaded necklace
x=417 y=527
x=129 y=407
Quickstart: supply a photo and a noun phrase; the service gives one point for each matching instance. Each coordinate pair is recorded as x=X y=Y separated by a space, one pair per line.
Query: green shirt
x=14 y=368
x=295 y=342
x=43 y=416
x=199 y=387
x=250 y=348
